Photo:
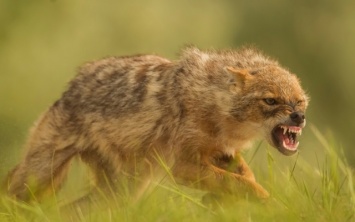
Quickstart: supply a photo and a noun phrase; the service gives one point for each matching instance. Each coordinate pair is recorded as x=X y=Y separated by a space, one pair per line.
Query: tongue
x=289 y=143
x=286 y=140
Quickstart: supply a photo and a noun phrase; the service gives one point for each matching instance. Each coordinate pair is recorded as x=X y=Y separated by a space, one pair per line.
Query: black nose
x=297 y=117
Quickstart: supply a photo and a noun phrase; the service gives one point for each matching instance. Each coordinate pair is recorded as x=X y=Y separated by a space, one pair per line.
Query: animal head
x=251 y=88
x=272 y=98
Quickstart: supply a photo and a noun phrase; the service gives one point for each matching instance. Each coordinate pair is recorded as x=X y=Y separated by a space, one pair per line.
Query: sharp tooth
x=300 y=132
x=294 y=147
x=285 y=129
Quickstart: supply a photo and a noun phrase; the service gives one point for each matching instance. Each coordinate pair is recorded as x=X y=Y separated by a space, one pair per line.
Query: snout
x=285 y=135
x=298 y=118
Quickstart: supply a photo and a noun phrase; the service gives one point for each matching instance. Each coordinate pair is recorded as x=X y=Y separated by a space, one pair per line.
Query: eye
x=299 y=102
x=270 y=101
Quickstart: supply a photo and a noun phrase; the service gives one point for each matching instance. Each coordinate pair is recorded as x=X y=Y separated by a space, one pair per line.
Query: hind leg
x=115 y=178
x=45 y=165
x=105 y=173
x=105 y=187
x=41 y=172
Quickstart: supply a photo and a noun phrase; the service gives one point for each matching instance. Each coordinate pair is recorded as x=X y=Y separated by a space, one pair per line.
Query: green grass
x=311 y=186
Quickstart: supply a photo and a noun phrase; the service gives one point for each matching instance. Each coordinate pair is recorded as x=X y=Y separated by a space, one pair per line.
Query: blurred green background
x=43 y=42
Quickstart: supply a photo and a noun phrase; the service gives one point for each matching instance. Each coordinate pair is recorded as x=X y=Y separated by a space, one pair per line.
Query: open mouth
x=285 y=138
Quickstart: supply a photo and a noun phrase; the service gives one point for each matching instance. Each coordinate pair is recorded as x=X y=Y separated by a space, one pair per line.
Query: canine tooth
x=285 y=129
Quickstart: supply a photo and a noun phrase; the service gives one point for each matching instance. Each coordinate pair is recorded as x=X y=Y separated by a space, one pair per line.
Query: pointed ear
x=239 y=75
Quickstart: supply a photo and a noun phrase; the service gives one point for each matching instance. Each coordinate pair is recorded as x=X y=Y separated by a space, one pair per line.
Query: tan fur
x=125 y=115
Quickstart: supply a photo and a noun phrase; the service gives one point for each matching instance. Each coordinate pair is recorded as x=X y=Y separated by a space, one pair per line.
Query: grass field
x=301 y=190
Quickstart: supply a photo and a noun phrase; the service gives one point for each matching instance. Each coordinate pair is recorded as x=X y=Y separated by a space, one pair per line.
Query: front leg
x=242 y=181
x=215 y=179
x=235 y=164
